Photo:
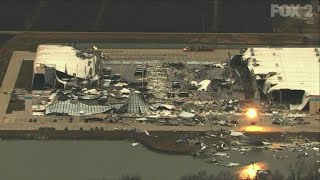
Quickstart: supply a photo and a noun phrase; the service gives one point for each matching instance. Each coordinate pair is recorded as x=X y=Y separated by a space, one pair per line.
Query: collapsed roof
x=76 y=108
x=135 y=104
x=286 y=68
x=64 y=59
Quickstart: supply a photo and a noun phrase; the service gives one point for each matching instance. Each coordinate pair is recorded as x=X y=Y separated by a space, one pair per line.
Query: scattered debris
x=305 y=154
x=262 y=172
x=234 y=133
x=203 y=85
x=233 y=164
x=221 y=154
x=146 y=133
x=185 y=114
x=134 y=144
x=279 y=157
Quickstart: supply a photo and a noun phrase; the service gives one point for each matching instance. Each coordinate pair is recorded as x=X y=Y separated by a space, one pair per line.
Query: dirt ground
x=160 y=141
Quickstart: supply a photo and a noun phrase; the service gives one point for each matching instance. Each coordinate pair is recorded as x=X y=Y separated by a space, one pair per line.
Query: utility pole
x=55 y=78
x=229 y=64
x=280 y=96
x=142 y=84
x=142 y=80
x=215 y=15
x=230 y=73
x=121 y=69
x=203 y=22
x=26 y=22
x=186 y=68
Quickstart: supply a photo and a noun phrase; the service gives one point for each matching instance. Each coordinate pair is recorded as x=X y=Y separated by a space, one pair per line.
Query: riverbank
x=178 y=142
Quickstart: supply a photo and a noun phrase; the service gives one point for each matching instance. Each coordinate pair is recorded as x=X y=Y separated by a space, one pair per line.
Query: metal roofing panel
x=136 y=104
x=76 y=108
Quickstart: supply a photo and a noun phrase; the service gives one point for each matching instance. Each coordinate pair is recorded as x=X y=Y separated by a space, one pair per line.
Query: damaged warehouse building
x=68 y=81
x=288 y=76
x=84 y=83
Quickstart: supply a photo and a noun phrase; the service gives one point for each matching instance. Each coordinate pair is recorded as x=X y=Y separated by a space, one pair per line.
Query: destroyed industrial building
x=286 y=75
x=61 y=59
x=86 y=82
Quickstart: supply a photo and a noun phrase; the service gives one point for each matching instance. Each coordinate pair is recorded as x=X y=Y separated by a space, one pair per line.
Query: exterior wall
x=314 y=105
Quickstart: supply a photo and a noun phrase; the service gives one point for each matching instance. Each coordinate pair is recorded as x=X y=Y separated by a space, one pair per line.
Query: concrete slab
x=11 y=76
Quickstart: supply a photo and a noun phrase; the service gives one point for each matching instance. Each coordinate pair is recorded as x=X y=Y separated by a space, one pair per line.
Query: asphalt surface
x=167 y=55
x=11 y=77
x=31 y=39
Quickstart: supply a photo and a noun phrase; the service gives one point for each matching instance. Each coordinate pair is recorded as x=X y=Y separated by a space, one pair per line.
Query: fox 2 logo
x=291 y=10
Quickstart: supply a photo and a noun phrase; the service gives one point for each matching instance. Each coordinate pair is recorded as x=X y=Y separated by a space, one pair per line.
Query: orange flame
x=250 y=171
x=251 y=113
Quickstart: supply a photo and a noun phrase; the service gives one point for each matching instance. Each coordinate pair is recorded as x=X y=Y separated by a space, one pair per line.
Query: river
x=95 y=160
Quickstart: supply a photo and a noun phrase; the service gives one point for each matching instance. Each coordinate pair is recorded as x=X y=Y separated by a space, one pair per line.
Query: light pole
x=203 y=22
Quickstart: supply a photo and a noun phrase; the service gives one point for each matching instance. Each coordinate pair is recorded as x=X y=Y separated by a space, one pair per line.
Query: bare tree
x=300 y=169
x=243 y=177
x=304 y=170
x=128 y=177
x=226 y=175
x=295 y=170
x=312 y=171
x=201 y=175
x=277 y=175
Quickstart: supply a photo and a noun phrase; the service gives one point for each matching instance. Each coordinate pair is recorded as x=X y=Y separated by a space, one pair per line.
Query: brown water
x=95 y=160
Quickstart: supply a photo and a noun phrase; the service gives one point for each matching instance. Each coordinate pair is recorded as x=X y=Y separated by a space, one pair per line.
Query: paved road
x=32 y=38
x=11 y=76
x=21 y=122
x=11 y=32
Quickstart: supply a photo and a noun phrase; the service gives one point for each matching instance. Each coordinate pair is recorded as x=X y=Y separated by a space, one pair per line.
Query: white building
x=63 y=59
x=289 y=72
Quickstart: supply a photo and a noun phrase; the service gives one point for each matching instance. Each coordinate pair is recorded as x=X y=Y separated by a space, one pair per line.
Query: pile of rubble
x=290 y=121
